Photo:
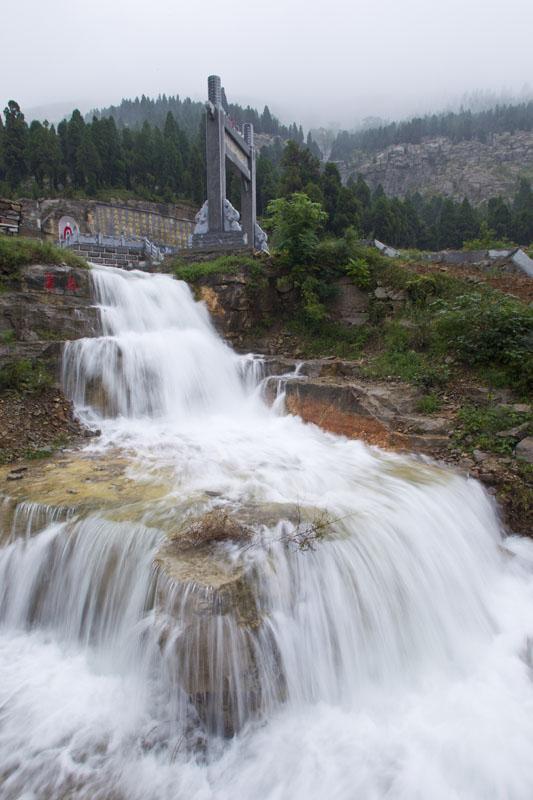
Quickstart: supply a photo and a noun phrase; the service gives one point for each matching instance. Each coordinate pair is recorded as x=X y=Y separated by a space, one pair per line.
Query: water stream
x=389 y=657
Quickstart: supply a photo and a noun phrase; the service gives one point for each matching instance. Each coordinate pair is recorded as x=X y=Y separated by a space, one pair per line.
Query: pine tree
x=88 y=164
x=2 y=150
x=467 y=223
x=74 y=133
x=382 y=220
x=331 y=185
x=267 y=124
x=15 y=141
x=522 y=226
x=266 y=179
x=362 y=191
x=499 y=218
x=448 y=228
x=348 y=212
x=44 y=155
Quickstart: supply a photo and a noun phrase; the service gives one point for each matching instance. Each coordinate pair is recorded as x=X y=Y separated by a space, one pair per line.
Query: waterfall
x=366 y=635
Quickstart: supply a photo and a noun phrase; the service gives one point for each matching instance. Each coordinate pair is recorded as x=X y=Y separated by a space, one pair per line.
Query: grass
x=7 y=337
x=408 y=366
x=224 y=265
x=428 y=404
x=412 y=254
x=420 y=287
x=16 y=252
x=34 y=454
x=478 y=427
x=484 y=330
x=327 y=338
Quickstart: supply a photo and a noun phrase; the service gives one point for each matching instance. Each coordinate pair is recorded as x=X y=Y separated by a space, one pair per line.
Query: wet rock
x=524 y=450
x=398 y=296
x=428 y=443
x=426 y=424
x=518 y=408
x=214 y=595
x=482 y=394
x=519 y=432
x=99 y=484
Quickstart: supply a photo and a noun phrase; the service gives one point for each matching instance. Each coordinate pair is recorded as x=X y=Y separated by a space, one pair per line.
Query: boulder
x=524 y=450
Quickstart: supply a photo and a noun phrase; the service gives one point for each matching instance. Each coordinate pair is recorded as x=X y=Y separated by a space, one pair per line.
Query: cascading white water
x=390 y=660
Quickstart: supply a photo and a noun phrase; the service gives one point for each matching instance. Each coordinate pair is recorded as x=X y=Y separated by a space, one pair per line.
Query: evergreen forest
x=163 y=159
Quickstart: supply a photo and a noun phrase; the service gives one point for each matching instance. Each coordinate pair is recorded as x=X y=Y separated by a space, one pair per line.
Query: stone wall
x=123 y=257
x=163 y=224
x=473 y=169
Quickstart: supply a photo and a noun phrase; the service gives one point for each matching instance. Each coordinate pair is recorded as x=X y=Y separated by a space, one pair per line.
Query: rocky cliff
x=41 y=306
x=474 y=169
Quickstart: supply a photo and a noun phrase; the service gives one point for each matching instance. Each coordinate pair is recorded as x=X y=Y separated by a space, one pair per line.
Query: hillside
x=189 y=115
x=470 y=168
x=461 y=154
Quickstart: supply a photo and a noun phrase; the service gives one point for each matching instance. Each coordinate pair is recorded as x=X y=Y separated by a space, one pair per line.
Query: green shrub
x=428 y=404
x=412 y=255
x=327 y=338
x=410 y=366
x=23 y=376
x=420 y=287
x=478 y=427
x=332 y=252
x=296 y=222
x=224 y=265
x=487 y=240
x=397 y=337
x=313 y=308
x=6 y=337
x=487 y=328
x=16 y=252
x=359 y=271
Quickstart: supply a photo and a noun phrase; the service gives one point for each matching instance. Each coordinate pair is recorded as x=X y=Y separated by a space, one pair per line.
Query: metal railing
x=140 y=244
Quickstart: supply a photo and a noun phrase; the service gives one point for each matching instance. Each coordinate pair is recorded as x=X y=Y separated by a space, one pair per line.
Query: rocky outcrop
x=207 y=612
x=34 y=425
x=43 y=306
x=238 y=304
x=351 y=305
x=474 y=169
x=334 y=395
x=524 y=449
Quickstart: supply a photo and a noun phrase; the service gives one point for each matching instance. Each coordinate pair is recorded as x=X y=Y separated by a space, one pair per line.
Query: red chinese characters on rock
x=50 y=283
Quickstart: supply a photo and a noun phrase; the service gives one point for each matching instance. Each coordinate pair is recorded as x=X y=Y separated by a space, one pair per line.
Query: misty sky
x=315 y=61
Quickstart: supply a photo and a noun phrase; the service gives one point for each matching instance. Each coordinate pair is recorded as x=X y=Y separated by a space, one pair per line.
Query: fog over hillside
x=315 y=63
